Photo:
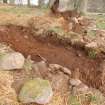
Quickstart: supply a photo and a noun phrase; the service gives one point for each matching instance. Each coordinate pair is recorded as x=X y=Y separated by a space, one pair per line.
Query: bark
x=70 y=5
x=41 y=3
x=28 y=3
x=12 y=1
x=4 y=1
x=55 y=6
x=81 y=6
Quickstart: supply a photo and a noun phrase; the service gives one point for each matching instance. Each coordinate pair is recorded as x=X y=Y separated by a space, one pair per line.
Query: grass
x=20 y=10
x=92 y=34
x=92 y=54
x=23 y=13
x=101 y=25
x=57 y=30
x=92 y=98
x=100 y=20
x=19 y=15
x=28 y=65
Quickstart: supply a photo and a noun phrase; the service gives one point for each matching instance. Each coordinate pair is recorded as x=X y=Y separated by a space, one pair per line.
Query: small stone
x=36 y=91
x=26 y=37
x=75 y=82
x=92 y=45
x=78 y=87
x=82 y=88
x=59 y=82
x=78 y=54
x=10 y=61
x=41 y=67
x=61 y=68
x=75 y=20
x=66 y=70
x=70 y=26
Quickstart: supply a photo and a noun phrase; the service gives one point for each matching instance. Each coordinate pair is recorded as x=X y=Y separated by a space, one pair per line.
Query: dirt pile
x=84 y=32
x=59 y=76
x=68 y=56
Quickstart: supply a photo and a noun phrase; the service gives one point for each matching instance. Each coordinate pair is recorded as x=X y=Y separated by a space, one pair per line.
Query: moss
x=92 y=54
x=91 y=34
x=57 y=30
x=82 y=99
x=33 y=88
x=73 y=100
x=28 y=64
x=2 y=55
x=101 y=25
x=97 y=97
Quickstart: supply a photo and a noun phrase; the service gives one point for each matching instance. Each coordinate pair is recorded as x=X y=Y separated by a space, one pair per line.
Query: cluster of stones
x=39 y=90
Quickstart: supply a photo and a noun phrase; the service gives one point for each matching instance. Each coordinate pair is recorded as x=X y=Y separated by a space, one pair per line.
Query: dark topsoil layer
x=22 y=40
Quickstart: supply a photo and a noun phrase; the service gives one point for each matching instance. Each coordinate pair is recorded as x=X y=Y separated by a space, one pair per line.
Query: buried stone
x=36 y=91
x=10 y=61
x=78 y=87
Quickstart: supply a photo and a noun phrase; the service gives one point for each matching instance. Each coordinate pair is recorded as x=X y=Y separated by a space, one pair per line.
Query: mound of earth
x=59 y=76
x=79 y=31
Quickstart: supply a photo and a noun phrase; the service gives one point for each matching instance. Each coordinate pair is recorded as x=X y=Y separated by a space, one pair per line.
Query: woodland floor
x=22 y=40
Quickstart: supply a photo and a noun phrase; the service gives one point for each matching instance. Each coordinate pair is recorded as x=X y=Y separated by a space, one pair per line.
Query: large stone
x=41 y=67
x=36 y=91
x=10 y=61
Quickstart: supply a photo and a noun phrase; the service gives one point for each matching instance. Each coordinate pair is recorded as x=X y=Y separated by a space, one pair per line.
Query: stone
x=4 y=48
x=92 y=45
x=75 y=82
x=75 y=20
x=61 y=68
x=25 y=36
x=10 y=61
x=70 y=26
x=41 y=67
x=78 y=87
x=82 y=88
x=36 y=91
x=59 y=82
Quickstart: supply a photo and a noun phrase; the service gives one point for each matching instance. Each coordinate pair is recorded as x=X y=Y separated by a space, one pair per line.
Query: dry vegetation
x=18 y=15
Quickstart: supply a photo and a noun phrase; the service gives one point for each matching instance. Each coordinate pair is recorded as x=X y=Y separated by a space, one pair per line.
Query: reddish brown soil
x=23 y=41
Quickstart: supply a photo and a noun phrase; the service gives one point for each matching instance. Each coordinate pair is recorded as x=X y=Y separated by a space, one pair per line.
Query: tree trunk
x=12 y=1
x=104 y=4
x=41 y=3
x=51 y=3
x=28 y=3
x=55 y=6
x=4 y=1
x=81 y=6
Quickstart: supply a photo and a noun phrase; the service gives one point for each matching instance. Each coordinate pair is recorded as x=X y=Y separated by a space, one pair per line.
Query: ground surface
x=22 y=40
x=18 y=15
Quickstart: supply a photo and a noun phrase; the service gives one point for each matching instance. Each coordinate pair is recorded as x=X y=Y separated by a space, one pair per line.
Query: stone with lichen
x=37 y=91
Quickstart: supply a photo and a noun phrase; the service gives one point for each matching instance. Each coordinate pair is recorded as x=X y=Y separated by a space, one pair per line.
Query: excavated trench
x=22 y=40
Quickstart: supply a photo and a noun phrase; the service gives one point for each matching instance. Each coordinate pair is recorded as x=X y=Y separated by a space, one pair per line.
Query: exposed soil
x=21 y=39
